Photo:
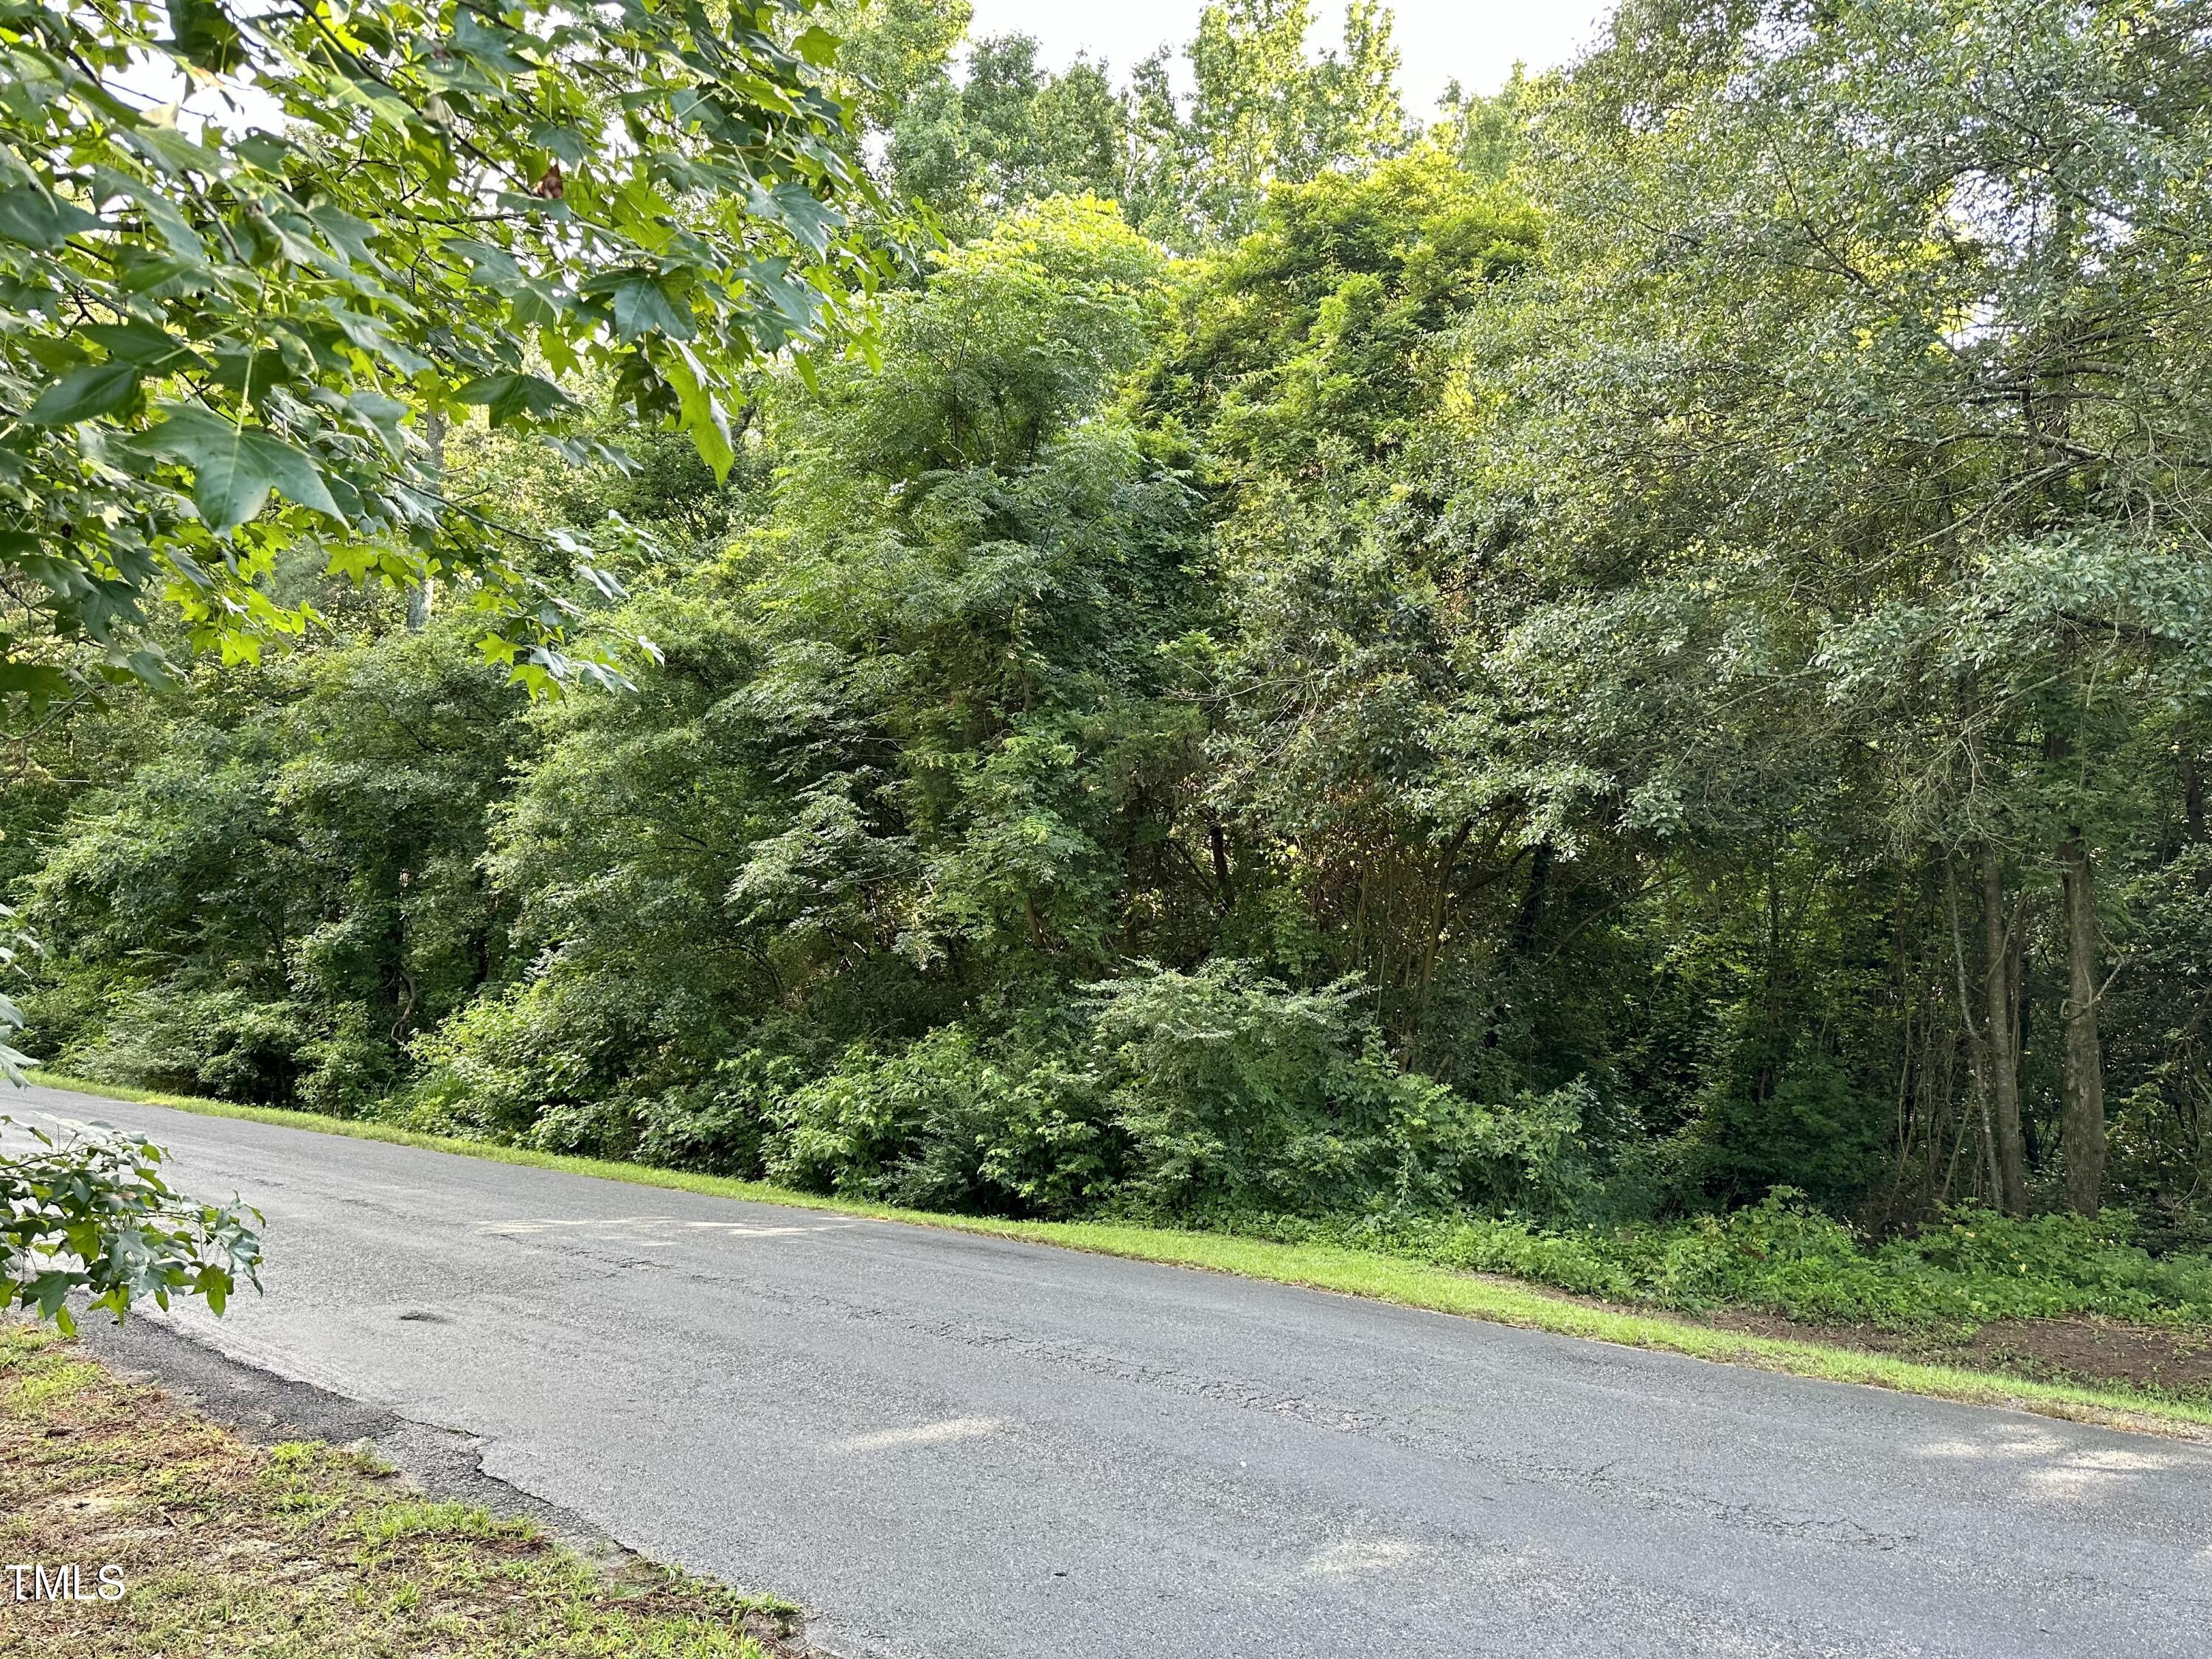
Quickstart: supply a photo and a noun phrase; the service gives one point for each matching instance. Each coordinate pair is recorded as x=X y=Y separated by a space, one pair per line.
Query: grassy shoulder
x=1382 y=1274
x=301 y=1551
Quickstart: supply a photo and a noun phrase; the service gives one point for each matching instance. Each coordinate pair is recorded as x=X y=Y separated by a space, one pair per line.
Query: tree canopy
x=228 y=340
x=1637 y=652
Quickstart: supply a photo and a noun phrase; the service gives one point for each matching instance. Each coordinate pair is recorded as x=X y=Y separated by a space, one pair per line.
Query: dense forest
x=1640 y=641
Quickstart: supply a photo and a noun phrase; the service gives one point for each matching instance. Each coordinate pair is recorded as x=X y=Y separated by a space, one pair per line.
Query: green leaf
x=160 y=213
x=40 y=682
x=152 y=350
x=29 y=215
x=234 y=467
x=206 y=36
x=793 y=298
x=489 y=267
x=159 y=277
x=171 y=152
x=540 y=306
x=703 y=415
x=364 y=332
x=251 y=373
x=560 y=141
x=817 y=47
x=490 y=44
x=513 y=397
x=811 y=221
x=346 y=234
x=101 y=389
x=643 y=306
x=383 y=414
x=266 y=150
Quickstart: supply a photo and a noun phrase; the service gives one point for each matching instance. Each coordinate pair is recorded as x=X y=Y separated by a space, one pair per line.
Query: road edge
x=1370 y=1275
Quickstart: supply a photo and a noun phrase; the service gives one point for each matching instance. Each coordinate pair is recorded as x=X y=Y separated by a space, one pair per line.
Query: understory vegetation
x=1614 y=688
x=1779 y=1257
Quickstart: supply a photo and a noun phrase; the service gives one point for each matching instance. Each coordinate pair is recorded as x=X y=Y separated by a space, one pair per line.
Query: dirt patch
x=2167 y=1359
x=2177 y=1361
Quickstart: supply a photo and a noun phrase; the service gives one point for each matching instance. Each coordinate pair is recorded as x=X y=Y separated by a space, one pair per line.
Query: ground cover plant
x=300 y=1548
x=1612 y=688
x=1780 y=1257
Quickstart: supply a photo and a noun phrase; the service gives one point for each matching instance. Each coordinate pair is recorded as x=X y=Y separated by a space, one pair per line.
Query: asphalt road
x=951 y=1447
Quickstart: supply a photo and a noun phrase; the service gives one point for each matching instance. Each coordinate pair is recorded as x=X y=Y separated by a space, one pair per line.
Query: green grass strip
x=1368 y=1274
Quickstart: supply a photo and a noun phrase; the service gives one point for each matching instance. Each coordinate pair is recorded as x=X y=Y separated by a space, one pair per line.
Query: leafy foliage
x=1514 y=689
x=1192 y=171
x=1240 y=1095
x=91 y=1215
x=280 y=899
x=420 y=212
x=1970 y=1268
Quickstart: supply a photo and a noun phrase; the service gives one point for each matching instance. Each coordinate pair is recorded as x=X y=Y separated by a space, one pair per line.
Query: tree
x=890 y=52
x=1867 y=317
x=1006 y=135
x=1655 y=636
x=228 y=350
x=1487 y=132
x=988 y=137
x=276 y=901
x=224 y=346
x=1261 y=112
x=1307 y=373
x=908 y=751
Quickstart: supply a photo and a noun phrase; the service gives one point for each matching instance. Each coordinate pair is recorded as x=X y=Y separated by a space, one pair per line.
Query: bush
x=1814 y=1130
x=1209 y=1095
x=350 y=1072
x=1241 y=1095
x=194 y=1038
x=538 y=1061
x=2035 y=1267
x=719 y=1125
x=944 y=1124
x=487 y=1073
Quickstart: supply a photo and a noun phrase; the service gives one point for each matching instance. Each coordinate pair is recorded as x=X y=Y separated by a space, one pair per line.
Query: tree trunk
x=2081 y=1128
x=2000 y=1006
x=420 y=597
x=1217 y=839
x=1977 y=1054
x=1530 y=921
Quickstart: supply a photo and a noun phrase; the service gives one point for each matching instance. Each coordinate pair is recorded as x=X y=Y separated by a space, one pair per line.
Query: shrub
x=1240 y=1094
x=1814 y=1129
x=719 y=1125
x=538 y=1061
x=195 y=1038
x=946 y=1124
x=1782 y=1256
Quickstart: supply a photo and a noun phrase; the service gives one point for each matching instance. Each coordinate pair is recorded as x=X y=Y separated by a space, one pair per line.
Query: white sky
x=1473 y=41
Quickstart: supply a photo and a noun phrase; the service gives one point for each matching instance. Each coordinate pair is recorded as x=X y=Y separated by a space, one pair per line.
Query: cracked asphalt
x=950 y=1447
